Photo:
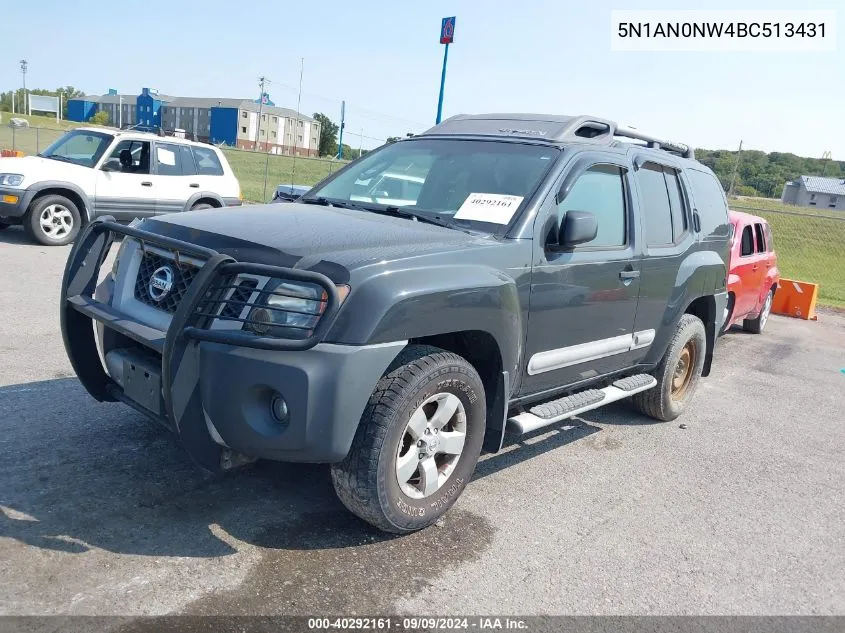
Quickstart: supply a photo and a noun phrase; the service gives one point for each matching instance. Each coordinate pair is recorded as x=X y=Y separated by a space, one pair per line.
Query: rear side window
x=710 y=203
x=657 y=211
x=747 y=247
x=761 y=241
x=168 y=161
x=207 y=162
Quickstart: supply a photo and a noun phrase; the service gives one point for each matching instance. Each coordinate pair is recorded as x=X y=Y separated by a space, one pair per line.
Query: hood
x=35 y=168
x=329 y=240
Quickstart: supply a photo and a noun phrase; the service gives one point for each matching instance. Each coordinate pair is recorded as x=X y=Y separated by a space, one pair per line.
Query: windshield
x=481 y=184
x=81 y=147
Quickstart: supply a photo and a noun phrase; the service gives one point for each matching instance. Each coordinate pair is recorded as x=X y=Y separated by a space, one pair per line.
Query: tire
x=756 y=326
x=202 y=205
x=52 y=220
x=668 y=399
x=421 y=384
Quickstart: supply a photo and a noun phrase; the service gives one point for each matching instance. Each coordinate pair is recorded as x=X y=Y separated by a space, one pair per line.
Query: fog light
x=279 y=409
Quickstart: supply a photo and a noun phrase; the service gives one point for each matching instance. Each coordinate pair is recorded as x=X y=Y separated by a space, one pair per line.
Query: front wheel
x=756 y=326
x=417 y=443
x=677 y=374
x=52 y=220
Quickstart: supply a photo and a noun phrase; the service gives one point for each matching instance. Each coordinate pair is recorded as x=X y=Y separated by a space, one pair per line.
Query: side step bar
x=556 y=410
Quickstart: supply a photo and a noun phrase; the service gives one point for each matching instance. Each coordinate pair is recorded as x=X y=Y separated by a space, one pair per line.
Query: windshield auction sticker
x=489 y=207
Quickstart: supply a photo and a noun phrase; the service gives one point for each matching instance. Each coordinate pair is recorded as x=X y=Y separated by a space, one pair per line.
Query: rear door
x=583 y=300
x=747 y=267
x=174 y=177
x=665 y=213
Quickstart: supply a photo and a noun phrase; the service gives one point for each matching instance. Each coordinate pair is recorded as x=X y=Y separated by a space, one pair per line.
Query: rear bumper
x=215 y=388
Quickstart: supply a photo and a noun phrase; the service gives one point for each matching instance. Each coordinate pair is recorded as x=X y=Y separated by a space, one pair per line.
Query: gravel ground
x=742 y=511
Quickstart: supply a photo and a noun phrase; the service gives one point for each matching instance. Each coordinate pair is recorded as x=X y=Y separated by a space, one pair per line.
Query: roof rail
x=561 y=129
x=679 y=148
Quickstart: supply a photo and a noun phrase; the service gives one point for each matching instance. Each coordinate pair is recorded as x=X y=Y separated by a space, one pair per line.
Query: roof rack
x=583 y=129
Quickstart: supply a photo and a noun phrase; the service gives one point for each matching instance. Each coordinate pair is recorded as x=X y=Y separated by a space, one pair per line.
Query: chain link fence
x=29 y=140
x=810 y=246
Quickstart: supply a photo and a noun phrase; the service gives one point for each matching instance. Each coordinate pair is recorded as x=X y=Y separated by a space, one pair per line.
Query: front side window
x=80 y=147
x=601 y=191
x=459 y=181
x=129 y=157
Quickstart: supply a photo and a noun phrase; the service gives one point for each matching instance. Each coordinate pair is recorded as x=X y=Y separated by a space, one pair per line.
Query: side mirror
x=577 y=227
x=111 y=165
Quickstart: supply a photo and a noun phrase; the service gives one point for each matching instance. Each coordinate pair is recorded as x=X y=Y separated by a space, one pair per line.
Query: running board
x=556 y=410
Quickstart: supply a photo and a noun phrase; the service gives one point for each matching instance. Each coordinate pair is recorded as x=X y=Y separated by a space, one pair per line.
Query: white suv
x=91 y=172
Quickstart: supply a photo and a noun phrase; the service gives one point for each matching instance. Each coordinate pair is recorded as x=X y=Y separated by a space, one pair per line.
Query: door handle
x=626 y=275
x=195 y=185
x=146 y=183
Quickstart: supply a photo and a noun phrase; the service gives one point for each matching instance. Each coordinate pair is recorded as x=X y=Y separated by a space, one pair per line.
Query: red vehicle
x=754 y=273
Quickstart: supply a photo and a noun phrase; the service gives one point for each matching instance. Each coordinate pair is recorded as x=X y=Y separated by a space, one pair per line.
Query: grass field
x=810 y=247
x=249 y=167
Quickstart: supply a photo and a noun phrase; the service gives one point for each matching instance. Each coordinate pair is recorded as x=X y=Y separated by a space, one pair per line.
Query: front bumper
x=214 y=388
x=16 y=208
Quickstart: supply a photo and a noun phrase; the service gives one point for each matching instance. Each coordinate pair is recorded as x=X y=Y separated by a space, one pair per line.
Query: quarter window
x=601 y=191
x=207 y=162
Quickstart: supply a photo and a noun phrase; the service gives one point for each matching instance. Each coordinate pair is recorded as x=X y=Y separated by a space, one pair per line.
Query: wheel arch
x=69 y=190
x=704 y=308
x=204 y=197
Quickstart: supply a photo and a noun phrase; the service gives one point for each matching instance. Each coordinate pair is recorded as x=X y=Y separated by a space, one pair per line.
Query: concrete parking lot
x=739 y=511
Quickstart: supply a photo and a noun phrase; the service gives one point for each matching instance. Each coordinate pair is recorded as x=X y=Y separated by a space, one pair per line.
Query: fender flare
x=200 y=195
x=38 y=187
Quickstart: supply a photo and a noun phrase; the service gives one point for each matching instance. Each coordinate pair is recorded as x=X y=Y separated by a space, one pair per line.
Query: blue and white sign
x=447 y=30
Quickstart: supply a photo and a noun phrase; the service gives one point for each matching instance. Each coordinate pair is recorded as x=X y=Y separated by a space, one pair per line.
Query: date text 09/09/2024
x=416 y=623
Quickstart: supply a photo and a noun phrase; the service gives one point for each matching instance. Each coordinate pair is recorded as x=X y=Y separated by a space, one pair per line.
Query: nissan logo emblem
x=161 y=283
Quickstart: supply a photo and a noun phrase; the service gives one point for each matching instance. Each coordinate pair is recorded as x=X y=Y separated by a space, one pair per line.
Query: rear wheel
x=52 y=220
x=678 y=373
x=417 y=443
x=755 y=326
x=201 y=205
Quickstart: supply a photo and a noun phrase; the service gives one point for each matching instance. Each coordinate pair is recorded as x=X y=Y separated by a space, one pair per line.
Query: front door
x=125 y=186
x=584 y=300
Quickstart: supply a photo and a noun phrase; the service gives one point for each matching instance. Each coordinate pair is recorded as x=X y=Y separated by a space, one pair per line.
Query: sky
x=384 y=59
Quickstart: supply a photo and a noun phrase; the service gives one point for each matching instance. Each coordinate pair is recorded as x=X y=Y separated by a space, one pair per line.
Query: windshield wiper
x=64 y=159
x=417 y=217
x=332 y=202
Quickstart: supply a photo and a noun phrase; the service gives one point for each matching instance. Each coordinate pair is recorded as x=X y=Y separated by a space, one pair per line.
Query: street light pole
x=24 y=66
x=261 y=81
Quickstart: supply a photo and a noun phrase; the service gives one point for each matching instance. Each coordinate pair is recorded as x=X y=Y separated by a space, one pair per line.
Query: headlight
x=11 y=180
x=291 y=309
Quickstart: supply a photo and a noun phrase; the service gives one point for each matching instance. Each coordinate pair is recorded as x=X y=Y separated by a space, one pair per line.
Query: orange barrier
x=796 y=299
x=10 y=153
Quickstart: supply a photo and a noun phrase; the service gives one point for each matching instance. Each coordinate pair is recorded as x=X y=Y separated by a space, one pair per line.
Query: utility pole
x=24 y=66
x=296 y=129
x=736 y=165
x=361 y=143
x=261 y=81
x=342 y=125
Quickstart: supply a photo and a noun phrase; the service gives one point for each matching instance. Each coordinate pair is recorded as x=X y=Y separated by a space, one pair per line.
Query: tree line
x=764 y=175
